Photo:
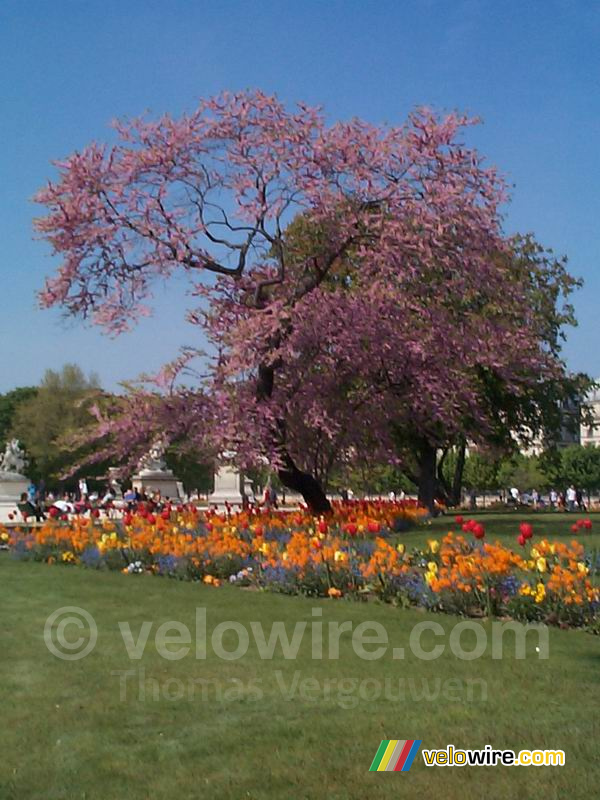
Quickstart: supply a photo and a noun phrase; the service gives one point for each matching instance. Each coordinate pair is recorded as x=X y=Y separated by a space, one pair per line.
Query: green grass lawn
x=504 y=526
x=66 y=733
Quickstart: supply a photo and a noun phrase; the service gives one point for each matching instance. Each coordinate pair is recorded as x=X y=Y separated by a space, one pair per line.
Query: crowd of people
x=571 y=499
x=39 y=504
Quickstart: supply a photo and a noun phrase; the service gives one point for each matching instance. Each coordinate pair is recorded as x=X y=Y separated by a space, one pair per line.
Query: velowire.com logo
x=395 y=755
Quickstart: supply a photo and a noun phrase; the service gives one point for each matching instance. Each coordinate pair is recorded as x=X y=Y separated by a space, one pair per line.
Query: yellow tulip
x=400 y=548
x=432 y=567
x=540 y=593
x=433 y=545
x=541 y=565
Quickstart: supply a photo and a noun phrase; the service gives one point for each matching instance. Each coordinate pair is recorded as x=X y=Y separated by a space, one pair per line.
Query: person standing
x=571 y=498
x=269 y=496
x=553 y=499
x=473 y=500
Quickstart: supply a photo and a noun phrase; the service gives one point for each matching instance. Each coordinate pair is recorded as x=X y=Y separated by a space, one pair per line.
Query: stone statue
x=154 y=460
x=13 y=460
x=114 y=483
x=153 y=475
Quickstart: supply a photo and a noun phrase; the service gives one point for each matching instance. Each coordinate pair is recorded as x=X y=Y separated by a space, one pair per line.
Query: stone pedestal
x=164 y=481
x=228 y=485
x=12 y=486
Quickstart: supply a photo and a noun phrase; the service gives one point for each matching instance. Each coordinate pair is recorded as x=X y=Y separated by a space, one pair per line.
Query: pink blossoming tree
x=361 y=283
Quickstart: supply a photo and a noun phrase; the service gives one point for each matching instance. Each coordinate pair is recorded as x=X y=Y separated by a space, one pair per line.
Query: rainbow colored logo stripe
x=395 y=755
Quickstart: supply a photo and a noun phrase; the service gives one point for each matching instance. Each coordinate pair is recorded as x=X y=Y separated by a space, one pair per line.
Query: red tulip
x=351 y=529
x=166 y=513
x=151 y=519
x=95 y=513
x=374 y=527
x=323 y=527
x=521 y=540
x=526 y=529
x=258 y=530
x=587 y=524
x=478 y=531
x=127 y=519
x=459 y=519
x=575 y=527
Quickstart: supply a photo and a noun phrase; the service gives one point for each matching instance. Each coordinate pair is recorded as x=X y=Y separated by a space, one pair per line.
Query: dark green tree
x=45 y=422
x=9 y=403
x=523 y=472
x=581 y=467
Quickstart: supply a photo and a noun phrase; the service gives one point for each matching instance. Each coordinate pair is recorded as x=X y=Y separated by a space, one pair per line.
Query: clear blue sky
x=531 y=70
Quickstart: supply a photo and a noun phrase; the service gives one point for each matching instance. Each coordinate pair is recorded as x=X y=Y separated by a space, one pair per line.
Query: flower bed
x=357 y=552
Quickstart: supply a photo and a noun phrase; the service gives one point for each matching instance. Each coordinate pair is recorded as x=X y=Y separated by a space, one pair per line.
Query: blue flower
x=92 y=557
x=167 y=564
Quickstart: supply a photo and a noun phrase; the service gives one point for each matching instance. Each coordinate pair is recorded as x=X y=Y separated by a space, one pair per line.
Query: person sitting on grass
x=28 y=509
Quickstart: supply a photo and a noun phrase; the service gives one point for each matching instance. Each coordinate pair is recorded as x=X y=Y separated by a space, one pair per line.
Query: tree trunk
x=427 y=478
x=304 y=483
x=458 y=473
x=292 y=477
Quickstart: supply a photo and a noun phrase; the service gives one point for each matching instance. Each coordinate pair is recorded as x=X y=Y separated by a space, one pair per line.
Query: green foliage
x=9 y=403
x=549 y=404
x=521 y=471
x=44 y=423
x=481 y=472
x=550 y=462
x=192 y=473
x=577 y=465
